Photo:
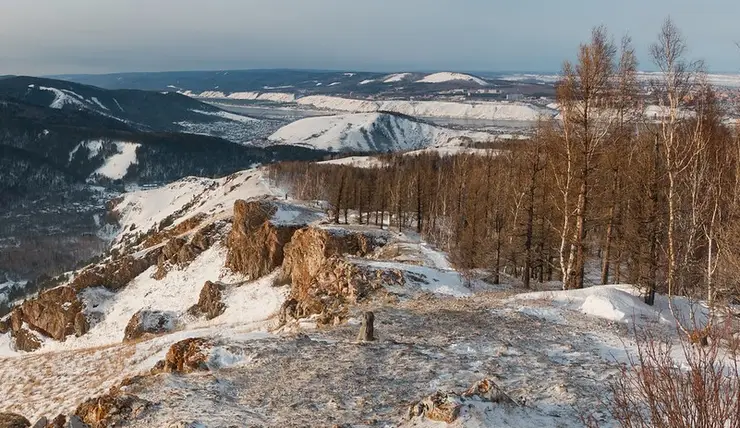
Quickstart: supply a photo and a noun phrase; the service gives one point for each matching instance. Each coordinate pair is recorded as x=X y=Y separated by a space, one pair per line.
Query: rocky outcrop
x=336 y=286
x=53 y=313
x=25 y=340
x=115 y=274
x=112 y=409
x=186 y=356
x=311 y=247
x=322 y=281
x=4 y=327
x=446 y=406
x=181 y=251
x=149 y=323
x=255 y=243
x=209 y=304
x=12 y=420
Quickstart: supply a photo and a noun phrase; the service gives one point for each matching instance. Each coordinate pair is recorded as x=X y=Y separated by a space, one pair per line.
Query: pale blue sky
x=81 y=36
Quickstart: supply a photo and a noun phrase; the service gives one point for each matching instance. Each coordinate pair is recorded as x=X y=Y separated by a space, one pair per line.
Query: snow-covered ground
x=117 y=165
x=397 y=77
x=553 y=351
x=377 y=132
x=499 y=111
x=452 y=77
x=278 y=97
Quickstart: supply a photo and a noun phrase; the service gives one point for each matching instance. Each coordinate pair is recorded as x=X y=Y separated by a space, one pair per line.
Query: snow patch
x=451 y=77
x=117 y=166
x=397 y=77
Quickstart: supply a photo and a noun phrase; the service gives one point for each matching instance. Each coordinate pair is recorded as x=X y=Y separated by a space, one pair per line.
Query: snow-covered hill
x=370 y=132
x=444 y=77
x=447 y=109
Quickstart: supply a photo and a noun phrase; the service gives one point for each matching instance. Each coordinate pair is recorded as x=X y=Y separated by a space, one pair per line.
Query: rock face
x=52 y=314
x=146 y=322
x=116 y=274
x=4 y=327
x=322 y=281
x=177 y=252
x=209 y=304
x=446 y=406
x=186 y=356
x=255 y=243
x=12 y=420
x=112 y=409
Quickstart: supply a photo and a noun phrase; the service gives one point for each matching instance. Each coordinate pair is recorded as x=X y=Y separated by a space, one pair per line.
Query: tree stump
x=366 y=330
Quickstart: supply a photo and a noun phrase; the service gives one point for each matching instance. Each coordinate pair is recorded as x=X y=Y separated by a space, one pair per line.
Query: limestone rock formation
x=12 y=420
x=146 y=323
x=255 y=243
x=209 y=304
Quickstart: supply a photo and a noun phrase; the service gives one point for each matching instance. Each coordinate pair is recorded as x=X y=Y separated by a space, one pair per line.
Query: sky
x=45 y=37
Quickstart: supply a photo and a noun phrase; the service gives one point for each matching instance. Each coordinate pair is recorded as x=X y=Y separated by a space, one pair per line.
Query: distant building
x=514 y=97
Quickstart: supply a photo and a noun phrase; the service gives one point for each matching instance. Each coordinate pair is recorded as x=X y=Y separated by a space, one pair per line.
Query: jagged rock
x=25 y=340
x=43 y=422
x=52 y=313
x=209 y=303
x=322 y=281
x=177 y=252
x=112 y=409
x=146 y=322
x=446 y=406
x=310 y=247
x=256 y=244
x=12 y=420
x=116 y=274
x=16 y=320
x=184 y=357
x=82 y=325
x=337 y=285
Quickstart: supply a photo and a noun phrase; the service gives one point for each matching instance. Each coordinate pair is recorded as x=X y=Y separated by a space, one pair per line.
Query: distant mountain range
x=56 y=133
x=302 y=82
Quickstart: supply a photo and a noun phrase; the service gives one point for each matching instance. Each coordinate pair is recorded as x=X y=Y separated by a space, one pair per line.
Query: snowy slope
x=397 y=77
x=376 y=132
x=462 y=110
x=451 y=77
x=278 y=97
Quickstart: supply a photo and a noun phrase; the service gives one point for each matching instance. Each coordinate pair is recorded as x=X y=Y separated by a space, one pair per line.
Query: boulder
x=147 y=323
x=184 y=357
x=59 y=422
x=115 y=408
x=76 y=422
x=209 y=304
x=25 y=340
x=4 y=326
x=255 y=244
x=52 y=313
x=12 y=420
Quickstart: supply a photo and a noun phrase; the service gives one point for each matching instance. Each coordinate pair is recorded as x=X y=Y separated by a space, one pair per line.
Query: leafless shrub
x=657 y=389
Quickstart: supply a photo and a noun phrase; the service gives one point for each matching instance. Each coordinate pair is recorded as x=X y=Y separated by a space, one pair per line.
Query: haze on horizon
x=45 y=37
